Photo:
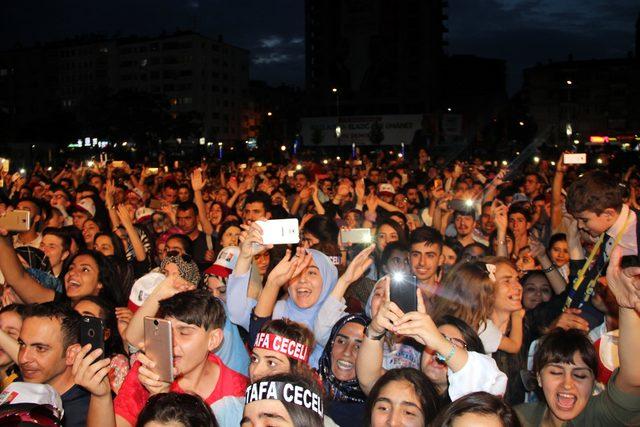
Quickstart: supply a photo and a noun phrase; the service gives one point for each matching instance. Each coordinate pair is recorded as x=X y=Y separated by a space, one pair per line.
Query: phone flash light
x=90 y=163
x=398 y=276
x=468 y=202
x=504 y=163
x=23 y=171
x=325 y=161
x=298 y=167
x=259 y=164
x=49 y=168
x=599 y=161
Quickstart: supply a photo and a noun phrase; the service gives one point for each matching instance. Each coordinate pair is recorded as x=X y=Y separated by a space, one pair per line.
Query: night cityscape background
x=282 y=75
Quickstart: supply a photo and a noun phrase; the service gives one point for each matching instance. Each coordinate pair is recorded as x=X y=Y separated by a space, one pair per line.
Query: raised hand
x=499 y=213
x=288 y=267
x=123 y=215
x=197 y=180
x=537 y=248
x=624 y=283
x=149 y=379
x=91 y=374
x=360 y=189
x=251 y=241
x=570 y=319
x=359 y=265
x=388 y=314
x=172 y=285
x=419 y=325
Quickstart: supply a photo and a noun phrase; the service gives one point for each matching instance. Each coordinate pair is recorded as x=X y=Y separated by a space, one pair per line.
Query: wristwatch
x=368 y=334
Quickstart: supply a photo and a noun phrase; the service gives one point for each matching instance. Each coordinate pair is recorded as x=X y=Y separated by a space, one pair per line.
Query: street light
x=338 y=128
x=283 y=148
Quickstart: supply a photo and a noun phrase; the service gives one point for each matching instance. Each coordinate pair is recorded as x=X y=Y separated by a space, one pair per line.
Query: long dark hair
x=118 y=248
x=183 y=408
x=482 y=403
x=470 y=336
x=424 y=388
x=113 y=344
x=107 y=275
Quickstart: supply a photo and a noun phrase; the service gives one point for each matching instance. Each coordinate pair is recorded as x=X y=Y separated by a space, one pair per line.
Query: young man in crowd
x=48 y=347
x=425 y=257
x=197 y=319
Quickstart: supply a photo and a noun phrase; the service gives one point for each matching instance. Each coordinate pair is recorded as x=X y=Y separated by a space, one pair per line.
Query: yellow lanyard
x=585 y=267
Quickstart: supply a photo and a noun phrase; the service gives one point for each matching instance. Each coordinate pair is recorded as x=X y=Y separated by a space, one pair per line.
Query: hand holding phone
x=280 y=231
x=92 y=332
x=158 y=347
x=403 y=291
x=574 y=158
x=16 y=220
x=356 y=235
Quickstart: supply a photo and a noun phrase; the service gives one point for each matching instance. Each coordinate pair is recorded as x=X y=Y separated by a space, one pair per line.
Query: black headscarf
x=345 y=391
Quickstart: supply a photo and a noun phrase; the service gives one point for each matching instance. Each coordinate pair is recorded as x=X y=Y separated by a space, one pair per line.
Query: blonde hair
x=466 y=293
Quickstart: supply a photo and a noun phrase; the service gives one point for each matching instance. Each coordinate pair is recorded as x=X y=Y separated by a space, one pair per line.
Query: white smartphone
x=280 y=231
x=574 y=158
x=356 y=235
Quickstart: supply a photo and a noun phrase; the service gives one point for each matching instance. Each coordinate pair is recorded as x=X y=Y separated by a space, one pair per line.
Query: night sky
x=521 y=31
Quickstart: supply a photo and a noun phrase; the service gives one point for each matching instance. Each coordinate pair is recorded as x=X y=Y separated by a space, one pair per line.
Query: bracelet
x=374 y=337
x=549 y=269
x=445 y=359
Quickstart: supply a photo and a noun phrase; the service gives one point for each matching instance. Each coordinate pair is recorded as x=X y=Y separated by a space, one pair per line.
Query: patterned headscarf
x=187 y=268
x=344 y=391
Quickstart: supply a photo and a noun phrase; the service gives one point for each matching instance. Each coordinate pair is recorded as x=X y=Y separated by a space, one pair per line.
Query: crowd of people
x=526 y=283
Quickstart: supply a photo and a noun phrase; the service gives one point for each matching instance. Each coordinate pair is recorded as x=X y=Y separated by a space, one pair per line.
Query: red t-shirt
x=133 y=396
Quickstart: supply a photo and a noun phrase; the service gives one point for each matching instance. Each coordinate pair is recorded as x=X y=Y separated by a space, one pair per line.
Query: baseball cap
x=39 y=394
x=87 y=206
x=137 y=192
x=519 y=197
x=142 y=288
x=225 y=262
x=386 y=189
x=143 y=214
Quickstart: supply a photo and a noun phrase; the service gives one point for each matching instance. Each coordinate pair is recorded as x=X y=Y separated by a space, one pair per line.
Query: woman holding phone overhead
x=309 y=277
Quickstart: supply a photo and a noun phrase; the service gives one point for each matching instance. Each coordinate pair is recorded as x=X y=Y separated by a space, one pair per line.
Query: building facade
x=192 y=72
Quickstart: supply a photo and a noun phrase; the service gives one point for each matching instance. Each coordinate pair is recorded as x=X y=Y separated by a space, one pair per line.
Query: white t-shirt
x=490 y=336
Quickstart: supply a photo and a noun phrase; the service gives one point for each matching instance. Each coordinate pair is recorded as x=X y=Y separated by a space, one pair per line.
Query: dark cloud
x=530 y=31
x=522 y=32
x=255 y=25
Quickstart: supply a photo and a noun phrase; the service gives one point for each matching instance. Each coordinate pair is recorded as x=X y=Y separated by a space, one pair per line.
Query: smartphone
x=403 y=289
x=460 y=205
x=261 y=169
x=291 y=173
x=280 y=231
x=356 y=235
x=437 y=183
x=574 y=158
x=92 y=332
x=16 y=220
x=158 y=346
x=155 y=204
x=153 y=171
x=118 y=164
x=5 y=164
x=242 y=166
